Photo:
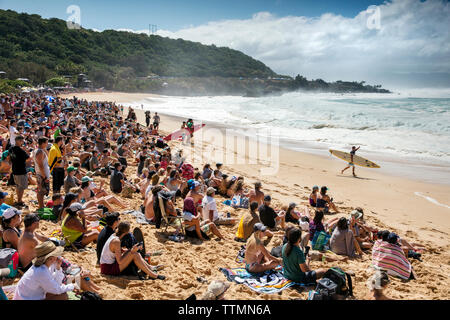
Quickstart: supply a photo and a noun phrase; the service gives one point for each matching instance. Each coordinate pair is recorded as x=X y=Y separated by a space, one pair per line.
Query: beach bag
x=9 y=259
x=320 y=240
x=46 y=214
x=341 y=279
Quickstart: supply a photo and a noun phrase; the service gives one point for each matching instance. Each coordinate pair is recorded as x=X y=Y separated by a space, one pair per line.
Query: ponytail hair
x=293 y=236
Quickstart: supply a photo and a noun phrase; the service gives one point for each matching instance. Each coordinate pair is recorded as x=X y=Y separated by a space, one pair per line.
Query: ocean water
x=392 y=129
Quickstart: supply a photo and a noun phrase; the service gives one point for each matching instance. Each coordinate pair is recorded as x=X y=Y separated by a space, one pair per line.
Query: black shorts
x=310 y=277
x=193 y=234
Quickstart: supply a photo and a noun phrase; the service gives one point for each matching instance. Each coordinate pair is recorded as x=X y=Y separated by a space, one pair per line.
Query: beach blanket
x=268 y=282
x=140 y=217
x=390 y=257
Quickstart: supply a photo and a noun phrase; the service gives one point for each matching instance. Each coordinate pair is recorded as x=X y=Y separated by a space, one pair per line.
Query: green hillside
x=40 y=49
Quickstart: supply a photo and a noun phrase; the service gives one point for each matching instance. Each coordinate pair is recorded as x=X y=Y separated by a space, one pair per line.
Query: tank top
x=108 y=257
x=7 y=244
x=46 y=172
x=71 y=235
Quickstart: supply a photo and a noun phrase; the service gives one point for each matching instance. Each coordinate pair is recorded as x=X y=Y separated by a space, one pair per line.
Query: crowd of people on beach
x=53 y=150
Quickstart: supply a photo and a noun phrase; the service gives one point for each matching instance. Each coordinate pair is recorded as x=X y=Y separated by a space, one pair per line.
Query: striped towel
x=390 y=257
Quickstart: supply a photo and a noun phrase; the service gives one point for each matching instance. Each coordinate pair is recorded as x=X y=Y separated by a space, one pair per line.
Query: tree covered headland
x=46 y=52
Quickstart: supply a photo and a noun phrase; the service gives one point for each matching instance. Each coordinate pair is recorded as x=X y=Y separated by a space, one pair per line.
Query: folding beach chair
x=168 y=220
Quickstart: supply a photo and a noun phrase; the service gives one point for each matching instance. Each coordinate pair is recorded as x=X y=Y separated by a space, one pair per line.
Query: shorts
x=310 y=277
x=43 y=188
x=110 y=269
x=193 y=234
x=351 y=164
x=21 y=181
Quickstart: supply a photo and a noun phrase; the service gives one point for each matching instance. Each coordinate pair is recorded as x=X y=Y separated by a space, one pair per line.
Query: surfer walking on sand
x=351 y=164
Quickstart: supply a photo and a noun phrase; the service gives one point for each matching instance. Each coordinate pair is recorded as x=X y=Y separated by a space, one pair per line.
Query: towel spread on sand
x=271 y=281
x=140 y=217
x=391 y=258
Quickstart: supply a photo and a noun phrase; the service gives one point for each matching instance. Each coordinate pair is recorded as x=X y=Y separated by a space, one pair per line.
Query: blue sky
x=176 y=14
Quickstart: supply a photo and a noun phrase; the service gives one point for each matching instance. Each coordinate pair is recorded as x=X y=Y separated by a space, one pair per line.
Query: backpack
x=46 y=214
x=334 y=285
x=9 y=259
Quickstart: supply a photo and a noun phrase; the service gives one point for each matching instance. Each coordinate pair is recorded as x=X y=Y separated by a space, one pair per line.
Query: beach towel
x=140 y=217
x=269 y=282
x=390 y=257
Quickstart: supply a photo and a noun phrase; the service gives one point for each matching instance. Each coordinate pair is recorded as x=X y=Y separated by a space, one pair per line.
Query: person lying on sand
x=113 y=261
x=257 y=258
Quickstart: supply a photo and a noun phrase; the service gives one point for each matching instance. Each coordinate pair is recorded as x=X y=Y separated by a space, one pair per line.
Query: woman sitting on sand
x=324 y=202
x=388 y=255
x=215 y=180
x=90 y=199
x=313 y=197
x=316 y=225
x=76 y=231
x=11 y=221
x=257 y=258
x=295 y=265
x=292 y=215
x=113 y=260
x=365 y=239
x=195 y=228
x=343 y=241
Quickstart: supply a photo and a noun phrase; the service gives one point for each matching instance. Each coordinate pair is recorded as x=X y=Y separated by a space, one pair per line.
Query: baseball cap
x=71 y=168
x=10 y=213
x=86 y=179
x=267 y=198
x=356 y=214
x=74 y=207
x=3 y=195
x=195 y=184
x=259 y=227
x=5 y=155
x=292 y=205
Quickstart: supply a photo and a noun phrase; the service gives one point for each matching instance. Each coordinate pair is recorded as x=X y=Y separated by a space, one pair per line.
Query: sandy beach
x=389 y=203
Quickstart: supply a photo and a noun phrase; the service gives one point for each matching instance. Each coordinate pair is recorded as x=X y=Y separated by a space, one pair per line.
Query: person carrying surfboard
x=351 y=164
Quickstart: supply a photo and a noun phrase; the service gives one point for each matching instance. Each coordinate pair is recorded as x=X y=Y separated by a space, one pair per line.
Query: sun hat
x=210 y=191
x=46 y=250
x=356 y=214
x=379 y=280
x=218 y=288
x=86 y=179
x=10 y=213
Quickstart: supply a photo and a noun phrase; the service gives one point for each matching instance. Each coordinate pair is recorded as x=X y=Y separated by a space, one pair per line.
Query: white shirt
x=12 y=135
x=107 y=256
x=209 y=204
x=38 y=281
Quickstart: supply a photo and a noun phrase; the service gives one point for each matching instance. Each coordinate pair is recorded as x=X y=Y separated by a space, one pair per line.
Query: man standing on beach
x=156 y=120
x=19 y=157
x=351 y=164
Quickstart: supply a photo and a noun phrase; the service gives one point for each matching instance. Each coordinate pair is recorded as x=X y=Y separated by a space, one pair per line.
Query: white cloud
x=413 y=41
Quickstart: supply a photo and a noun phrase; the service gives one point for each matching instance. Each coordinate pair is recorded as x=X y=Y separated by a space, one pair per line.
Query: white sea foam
x=431 y=200
x=406 y=126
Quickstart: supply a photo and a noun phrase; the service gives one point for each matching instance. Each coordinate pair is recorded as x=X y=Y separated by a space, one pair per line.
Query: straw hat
x=46 y=250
